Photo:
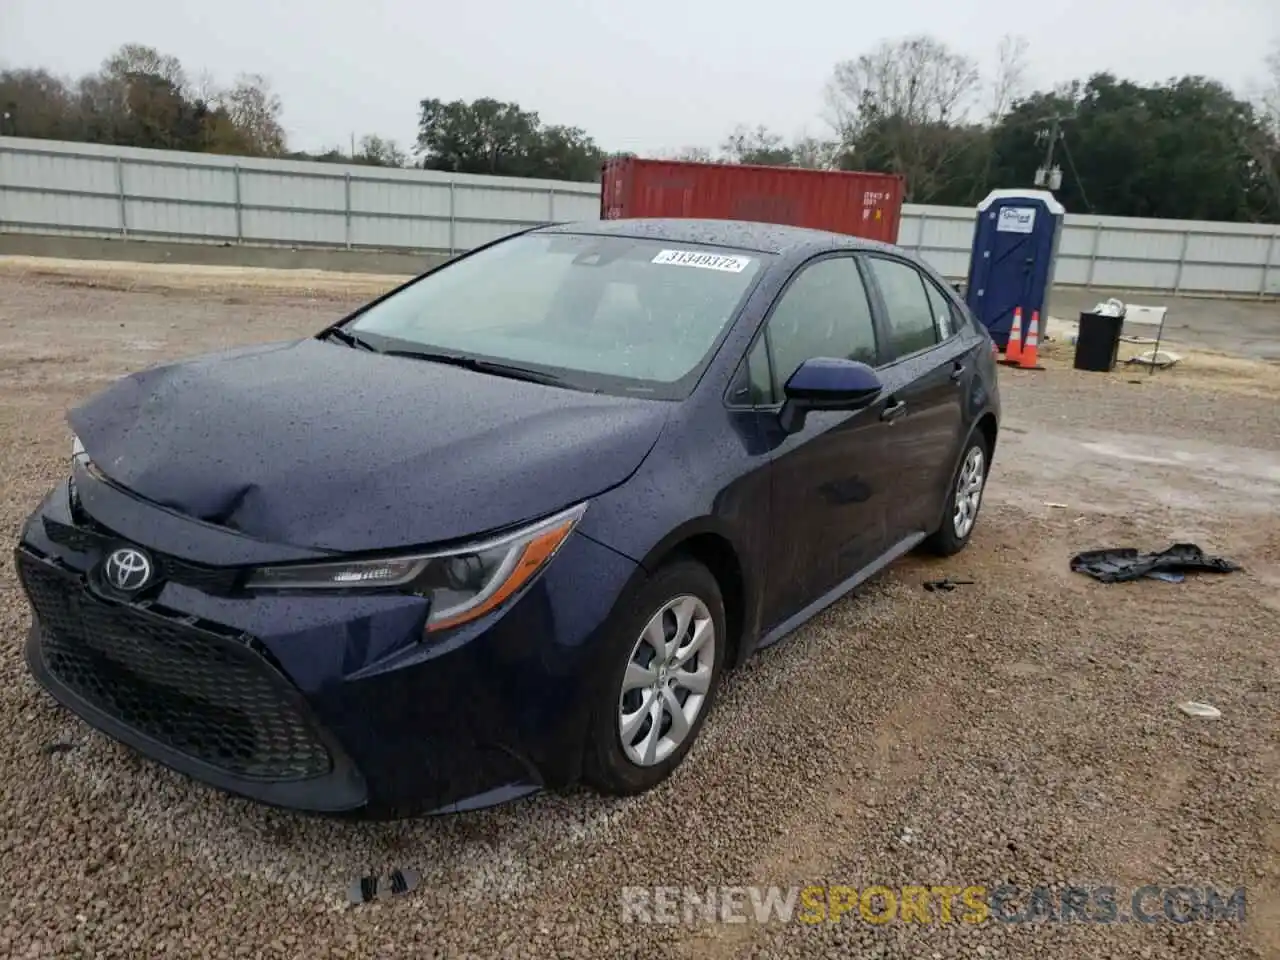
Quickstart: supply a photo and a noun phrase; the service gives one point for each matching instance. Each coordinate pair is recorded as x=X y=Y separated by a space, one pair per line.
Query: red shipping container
x=861 y=204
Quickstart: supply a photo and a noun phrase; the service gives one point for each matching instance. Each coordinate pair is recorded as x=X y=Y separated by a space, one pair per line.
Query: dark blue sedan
x=505 y=527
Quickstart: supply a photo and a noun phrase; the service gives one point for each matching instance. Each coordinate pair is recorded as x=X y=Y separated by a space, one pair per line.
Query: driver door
x=830 y=485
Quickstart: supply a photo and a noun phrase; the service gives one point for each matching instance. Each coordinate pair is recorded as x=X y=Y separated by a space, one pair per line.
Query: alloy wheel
x=969 y=491
x=667 y=679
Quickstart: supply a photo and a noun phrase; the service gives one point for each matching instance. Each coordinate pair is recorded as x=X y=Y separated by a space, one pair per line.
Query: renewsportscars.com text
x=942 y=903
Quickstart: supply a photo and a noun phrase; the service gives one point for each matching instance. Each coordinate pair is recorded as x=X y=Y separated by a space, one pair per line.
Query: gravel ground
x=1021 y=730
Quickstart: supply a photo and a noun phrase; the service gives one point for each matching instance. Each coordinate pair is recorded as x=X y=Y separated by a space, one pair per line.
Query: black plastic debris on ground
x=373 y=887
x=1126 y=563
x=58 y=746
x=946 y=583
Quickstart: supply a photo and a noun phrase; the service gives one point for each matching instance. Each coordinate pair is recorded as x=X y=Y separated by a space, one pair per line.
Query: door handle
x=958 y=372
x=894 y=411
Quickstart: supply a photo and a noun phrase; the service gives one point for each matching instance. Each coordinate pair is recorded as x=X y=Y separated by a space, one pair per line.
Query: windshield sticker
x=707 y=261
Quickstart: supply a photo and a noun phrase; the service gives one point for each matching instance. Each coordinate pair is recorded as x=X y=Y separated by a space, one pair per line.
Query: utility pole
x=1049 y=175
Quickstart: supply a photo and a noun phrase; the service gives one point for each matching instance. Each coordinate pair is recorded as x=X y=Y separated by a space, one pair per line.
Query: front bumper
x=323 y=703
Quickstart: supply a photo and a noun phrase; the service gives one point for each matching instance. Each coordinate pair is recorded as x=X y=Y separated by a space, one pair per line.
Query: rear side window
x=944 y=318
x=911 y=315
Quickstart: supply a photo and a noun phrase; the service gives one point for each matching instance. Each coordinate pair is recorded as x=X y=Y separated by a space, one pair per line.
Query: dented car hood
x=315 y=444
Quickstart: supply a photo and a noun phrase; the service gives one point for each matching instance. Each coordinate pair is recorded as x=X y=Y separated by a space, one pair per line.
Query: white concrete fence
x=90 y=190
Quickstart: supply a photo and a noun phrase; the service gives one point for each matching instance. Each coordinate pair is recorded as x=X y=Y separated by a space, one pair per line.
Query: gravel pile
x=1022 y=730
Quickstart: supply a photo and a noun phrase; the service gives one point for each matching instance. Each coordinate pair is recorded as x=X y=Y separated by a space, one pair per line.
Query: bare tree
x=692 y=155
x=204 y=87
x=1269 y=99
x=757 y=146
x=255 y=109
x=380 y=152
x=1264 y=147
x=816 y=153
x=136 y=59
x=918 y=80
x=1009 y=84
x=897 y=107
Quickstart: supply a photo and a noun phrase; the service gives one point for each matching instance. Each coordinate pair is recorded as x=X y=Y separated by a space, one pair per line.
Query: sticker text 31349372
x=707 y=261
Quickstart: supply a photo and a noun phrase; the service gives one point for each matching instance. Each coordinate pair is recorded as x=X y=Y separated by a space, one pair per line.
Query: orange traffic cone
x=1013 y=352
x=1030 y=351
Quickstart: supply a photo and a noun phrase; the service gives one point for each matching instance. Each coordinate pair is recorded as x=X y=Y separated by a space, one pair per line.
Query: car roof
x=743 y=234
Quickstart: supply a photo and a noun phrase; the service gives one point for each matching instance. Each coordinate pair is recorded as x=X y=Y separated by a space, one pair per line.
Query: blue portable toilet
x=1015 y=242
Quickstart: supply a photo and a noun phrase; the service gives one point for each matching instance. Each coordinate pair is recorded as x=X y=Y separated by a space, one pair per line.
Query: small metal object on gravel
x=946 y=583
x=373 y=887
x=1206 y=710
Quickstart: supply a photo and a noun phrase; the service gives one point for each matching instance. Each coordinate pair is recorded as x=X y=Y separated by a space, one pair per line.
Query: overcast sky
x=642 y=77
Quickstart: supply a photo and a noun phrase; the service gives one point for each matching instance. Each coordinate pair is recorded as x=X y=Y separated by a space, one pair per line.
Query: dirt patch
x=190 y=278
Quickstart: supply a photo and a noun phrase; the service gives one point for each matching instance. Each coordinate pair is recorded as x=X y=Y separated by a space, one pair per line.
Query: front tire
x=665 y=654
x=964 y=499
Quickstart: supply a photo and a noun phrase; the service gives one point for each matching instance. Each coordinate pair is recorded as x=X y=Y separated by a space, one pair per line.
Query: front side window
x=615 y=314
x=753 y=384
x=823 y=313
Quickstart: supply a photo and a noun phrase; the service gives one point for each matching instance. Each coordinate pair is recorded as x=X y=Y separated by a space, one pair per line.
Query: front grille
x=203 y=694
x=88 y=535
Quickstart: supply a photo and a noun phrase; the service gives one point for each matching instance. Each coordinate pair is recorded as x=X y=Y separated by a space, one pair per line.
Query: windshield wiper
x=495 y=367
x=350 y=339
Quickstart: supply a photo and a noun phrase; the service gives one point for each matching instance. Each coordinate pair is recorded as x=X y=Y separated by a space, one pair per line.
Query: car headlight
x=462 y=583
x=77 y=448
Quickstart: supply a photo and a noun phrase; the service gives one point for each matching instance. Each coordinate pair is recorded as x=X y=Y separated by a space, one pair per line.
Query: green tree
x=1182 y=150
x=142 y=98
x=566 y=153
x=37 y=104
x=484 y=136
x=493 y=137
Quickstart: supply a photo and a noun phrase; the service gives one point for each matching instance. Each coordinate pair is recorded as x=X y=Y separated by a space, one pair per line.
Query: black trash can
x=1098 y=342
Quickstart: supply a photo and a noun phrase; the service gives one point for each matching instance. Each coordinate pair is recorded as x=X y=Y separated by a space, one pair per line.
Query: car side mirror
x=827 y=383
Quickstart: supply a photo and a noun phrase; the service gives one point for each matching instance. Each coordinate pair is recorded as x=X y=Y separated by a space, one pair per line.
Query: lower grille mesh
x=204 y=695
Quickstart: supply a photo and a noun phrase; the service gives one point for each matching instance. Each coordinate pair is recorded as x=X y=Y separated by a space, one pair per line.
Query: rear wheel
x=666 y=652
x=964 y=500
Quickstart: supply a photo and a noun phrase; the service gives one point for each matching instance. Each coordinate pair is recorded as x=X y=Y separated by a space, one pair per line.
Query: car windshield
x=612 y=314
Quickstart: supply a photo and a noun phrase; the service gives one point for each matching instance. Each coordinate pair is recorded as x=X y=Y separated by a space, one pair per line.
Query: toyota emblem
x=128 y=569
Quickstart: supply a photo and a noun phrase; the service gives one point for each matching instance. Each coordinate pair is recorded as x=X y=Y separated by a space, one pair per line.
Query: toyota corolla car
x=504 y=528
